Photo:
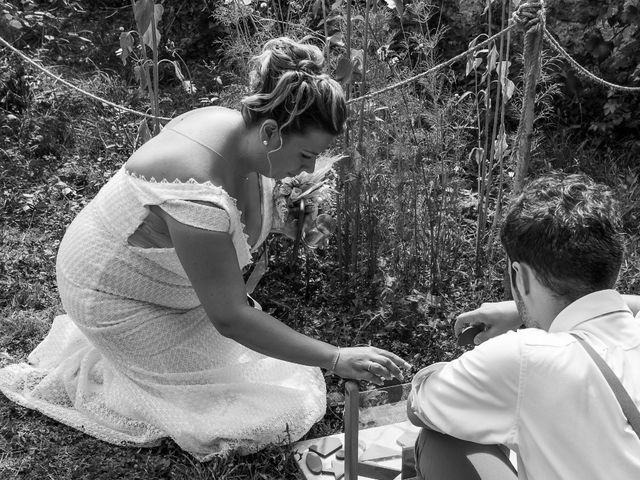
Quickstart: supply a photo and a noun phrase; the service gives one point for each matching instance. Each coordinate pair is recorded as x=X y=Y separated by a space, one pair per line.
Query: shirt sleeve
x=474 y=397
x=198 y=214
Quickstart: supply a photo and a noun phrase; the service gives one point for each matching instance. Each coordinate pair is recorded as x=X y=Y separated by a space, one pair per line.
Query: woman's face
x=298 y=153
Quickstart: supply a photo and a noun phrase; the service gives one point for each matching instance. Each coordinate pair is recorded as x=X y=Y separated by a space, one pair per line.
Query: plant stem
x=155 y=104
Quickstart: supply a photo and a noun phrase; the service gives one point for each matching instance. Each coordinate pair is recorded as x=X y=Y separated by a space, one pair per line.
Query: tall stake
x=360 y=148
x=155 y=100
x=522 y=150
x=152 y=86
x=343 y=209
x=482 y=167
x=532 y=59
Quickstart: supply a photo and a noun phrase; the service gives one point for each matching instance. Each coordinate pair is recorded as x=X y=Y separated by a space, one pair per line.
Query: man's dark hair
x=567 y=228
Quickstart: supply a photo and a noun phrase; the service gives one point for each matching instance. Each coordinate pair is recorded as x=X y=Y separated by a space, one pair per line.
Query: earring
x=265 y=143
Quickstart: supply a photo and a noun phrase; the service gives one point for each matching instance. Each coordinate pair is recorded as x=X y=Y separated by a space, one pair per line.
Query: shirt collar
x=587 y=308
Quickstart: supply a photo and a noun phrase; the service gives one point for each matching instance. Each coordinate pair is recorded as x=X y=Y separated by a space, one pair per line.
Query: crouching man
x=536 y=390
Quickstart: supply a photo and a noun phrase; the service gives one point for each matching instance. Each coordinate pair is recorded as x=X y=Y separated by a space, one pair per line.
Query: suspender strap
x=628 y=407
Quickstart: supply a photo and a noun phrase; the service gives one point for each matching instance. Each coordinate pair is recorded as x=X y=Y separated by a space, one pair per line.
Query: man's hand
x=495 y=317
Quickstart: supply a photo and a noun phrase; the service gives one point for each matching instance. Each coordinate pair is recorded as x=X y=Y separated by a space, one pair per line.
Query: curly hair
x=568 y=229
x=289 y=87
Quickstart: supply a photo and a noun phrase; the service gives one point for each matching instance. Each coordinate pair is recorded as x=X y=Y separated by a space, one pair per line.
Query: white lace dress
x=136 y=359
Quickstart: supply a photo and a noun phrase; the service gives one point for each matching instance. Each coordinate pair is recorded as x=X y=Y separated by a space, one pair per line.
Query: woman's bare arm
x=210 y=261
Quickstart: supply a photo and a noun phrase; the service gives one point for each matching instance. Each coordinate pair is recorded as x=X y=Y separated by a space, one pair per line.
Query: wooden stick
x=351 y=406
x=296 y=242
x=532 y=60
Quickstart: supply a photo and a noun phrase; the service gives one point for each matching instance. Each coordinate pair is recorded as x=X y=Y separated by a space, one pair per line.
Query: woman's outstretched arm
x=210 y=261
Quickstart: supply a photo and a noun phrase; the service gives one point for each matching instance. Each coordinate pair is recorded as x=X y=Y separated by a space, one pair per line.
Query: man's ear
x=521 y=275
x=269 y=132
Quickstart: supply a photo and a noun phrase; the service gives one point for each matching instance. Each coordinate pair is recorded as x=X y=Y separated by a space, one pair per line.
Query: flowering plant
x=302 y=203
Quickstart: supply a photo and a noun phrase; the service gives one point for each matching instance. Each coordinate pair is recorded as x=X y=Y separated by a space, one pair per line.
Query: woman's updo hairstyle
x=288 y=86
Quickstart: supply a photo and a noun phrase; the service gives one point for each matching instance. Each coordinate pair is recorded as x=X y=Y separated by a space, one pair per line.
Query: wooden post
x=532 y=54
x=532 y=60
x=342 y=209
x=360 y=148
x=351 y=406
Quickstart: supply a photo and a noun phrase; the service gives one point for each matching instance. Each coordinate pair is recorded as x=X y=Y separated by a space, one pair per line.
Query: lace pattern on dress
x=237 y=226
x=136 y=358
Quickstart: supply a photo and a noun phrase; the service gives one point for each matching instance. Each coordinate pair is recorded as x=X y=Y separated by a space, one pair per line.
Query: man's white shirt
x=541 y=395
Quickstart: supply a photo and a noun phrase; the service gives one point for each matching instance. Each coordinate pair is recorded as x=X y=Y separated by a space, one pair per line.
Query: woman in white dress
x=159 y=339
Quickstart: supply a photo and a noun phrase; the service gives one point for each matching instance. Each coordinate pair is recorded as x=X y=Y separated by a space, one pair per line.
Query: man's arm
x=413 y=418
x=495 y=317
x=501 y=317
x=417 y=381
x=474 y=397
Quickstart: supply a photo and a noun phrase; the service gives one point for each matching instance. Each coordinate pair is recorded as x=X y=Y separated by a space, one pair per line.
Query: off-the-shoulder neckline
x=207 y=184
x=177 y=181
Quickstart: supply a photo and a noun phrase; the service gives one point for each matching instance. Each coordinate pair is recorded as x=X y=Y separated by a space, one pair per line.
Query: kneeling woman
x=159 y=340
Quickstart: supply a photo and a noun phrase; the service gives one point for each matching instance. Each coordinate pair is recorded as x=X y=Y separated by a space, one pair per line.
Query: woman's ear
x=269 y=134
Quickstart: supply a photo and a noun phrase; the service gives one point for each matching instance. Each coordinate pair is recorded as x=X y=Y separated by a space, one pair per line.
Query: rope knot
x=530 y=14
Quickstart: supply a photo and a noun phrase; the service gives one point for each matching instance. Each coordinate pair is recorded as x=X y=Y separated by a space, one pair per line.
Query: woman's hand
x=495 y=318
x=370 y=363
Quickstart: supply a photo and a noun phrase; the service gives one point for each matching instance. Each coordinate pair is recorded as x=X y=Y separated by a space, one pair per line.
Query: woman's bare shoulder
x=167 y=158
x=209 y=115
x=185 y=148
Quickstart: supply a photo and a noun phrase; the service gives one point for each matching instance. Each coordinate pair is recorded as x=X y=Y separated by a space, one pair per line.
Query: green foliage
x=608 y=45
x=405 y=261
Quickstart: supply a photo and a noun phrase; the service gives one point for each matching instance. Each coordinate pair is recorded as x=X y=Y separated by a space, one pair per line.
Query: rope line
x=520 y=17
x=431 y=70
x=70 y=85
x=580 y=69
